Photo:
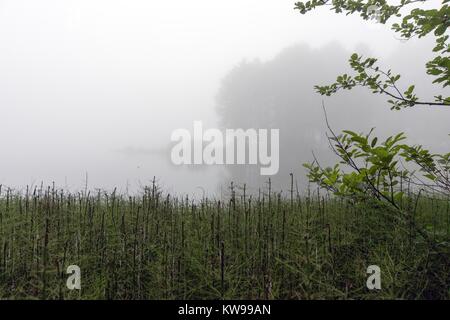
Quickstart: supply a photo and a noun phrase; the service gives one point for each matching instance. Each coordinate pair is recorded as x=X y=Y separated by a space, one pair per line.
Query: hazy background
x=97 y=87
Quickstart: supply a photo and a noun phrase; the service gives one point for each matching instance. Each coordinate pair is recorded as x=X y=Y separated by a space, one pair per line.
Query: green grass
x=265 y=246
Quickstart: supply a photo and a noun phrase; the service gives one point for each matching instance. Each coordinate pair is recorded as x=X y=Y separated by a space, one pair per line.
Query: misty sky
x=98 y=86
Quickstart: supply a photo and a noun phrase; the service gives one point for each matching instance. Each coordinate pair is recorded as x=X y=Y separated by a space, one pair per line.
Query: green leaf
x=374 y=142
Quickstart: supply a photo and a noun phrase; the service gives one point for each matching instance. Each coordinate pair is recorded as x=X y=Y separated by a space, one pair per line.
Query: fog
x=90 y=91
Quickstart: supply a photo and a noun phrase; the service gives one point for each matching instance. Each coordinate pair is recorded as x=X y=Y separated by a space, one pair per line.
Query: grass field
x=264 y=246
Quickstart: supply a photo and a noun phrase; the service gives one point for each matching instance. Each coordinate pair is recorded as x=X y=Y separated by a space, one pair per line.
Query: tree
x=417 y=23
x=378 y=170
x=277 y=94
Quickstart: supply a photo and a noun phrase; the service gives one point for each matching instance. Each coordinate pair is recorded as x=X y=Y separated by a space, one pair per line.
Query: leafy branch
x=378 y=81
x=376 y=172
x=417 y=22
